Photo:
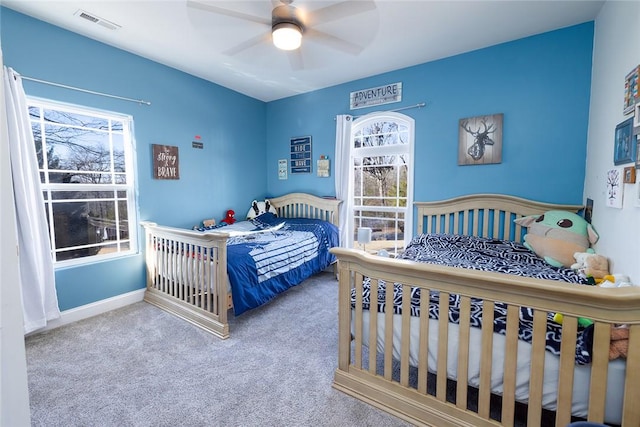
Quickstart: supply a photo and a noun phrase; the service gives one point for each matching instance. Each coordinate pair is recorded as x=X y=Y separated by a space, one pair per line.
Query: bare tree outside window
x=381 y=171
x=86 y=174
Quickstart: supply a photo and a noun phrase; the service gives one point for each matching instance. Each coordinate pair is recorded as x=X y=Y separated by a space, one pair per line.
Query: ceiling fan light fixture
x=287 y=36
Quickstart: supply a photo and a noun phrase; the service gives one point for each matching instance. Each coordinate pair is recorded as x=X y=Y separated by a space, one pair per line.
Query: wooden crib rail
x=356 y=376
x=187 y=275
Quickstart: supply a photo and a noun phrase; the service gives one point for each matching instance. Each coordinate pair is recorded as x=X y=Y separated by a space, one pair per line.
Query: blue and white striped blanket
x=277 y=254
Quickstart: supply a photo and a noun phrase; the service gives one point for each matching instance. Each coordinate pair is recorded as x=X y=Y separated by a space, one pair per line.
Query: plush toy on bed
x=258 y=208
x=591 y=265
x=230 y=218
x=556 y=235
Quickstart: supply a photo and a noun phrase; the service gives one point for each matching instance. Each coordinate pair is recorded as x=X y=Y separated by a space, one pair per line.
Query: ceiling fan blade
x=339 y=11
x=334 y=42
x=248 y=43
x=295 y=59
x=227 y=12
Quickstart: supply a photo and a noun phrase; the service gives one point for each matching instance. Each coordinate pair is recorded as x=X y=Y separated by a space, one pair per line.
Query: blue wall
x=540 y=83
x=232 y=127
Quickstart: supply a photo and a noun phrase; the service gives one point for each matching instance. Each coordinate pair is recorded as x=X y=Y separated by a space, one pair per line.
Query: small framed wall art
x=480 y=140
x=614 y=188
x=323 y=168
x=624 y=148
x=166 y=163
x=629 y=176
x=631 y=96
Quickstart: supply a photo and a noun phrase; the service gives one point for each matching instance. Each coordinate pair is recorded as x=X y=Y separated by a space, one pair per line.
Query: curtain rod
x=418 y=105
x=139 y=101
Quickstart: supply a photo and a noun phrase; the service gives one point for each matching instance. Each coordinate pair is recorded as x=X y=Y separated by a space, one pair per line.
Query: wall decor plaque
x=166 y=164
x=301 y=155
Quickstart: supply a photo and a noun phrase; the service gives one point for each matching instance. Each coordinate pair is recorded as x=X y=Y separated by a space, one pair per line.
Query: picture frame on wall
x=480 y=140
x=300 y=161
x=614 y=188
x=629 y=175
x=624 y=148
x=166 y=162
x=631 y=95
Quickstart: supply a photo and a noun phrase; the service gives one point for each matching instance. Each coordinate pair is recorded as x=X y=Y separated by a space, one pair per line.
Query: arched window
x=382 y=179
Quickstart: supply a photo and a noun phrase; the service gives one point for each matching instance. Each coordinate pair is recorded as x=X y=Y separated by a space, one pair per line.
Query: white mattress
x=615 y=378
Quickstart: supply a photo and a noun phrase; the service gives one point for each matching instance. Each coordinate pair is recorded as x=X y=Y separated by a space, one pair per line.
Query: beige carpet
x=140 y=366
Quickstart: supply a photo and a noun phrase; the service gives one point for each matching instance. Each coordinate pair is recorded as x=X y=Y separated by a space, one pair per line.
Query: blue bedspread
x=262 y=265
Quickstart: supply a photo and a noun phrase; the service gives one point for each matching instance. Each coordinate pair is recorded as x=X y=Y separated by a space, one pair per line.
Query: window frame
x=130 y=187
x=385 y=150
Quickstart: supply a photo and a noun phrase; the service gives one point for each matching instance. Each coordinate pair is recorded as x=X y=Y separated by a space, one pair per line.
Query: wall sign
x=166 y=164
x=376 y=96
x=301 y=155
x=282 y=169
x=323 y=167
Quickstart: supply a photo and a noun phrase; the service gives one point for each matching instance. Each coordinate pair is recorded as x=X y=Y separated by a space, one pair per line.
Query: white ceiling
x=392 y=35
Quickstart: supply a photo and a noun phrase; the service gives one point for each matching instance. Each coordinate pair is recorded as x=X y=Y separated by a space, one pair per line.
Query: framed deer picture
x=480 y=140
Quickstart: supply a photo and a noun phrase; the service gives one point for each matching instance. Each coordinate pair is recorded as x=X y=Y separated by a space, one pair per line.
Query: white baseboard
x=93 y=309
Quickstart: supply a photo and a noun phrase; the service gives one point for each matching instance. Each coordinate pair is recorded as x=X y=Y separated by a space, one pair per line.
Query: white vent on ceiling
x=96 y=20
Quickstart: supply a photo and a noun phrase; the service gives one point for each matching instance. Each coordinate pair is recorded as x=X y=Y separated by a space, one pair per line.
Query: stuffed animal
x=258 y=208
x=556 y=235
x=589 y=264
x=230 y=218
x=619 y=344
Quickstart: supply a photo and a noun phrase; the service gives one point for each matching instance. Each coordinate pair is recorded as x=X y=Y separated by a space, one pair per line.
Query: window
x=382 y=181
x=85 y=158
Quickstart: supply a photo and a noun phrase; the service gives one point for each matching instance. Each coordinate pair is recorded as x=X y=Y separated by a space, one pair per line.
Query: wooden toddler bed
x=192 y=273
x=498 y=340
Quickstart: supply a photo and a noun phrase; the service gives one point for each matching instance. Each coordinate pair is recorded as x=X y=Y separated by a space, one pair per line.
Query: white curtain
x=343 y=173
x=37 y=279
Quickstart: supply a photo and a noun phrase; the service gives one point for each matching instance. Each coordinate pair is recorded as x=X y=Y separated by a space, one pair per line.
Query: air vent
x=96 y=20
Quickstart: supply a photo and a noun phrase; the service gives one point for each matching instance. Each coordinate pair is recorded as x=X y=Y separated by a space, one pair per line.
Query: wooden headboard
x=303 y=205
x=486 y=215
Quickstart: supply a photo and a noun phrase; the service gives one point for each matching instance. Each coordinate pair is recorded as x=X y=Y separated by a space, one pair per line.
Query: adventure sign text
x=165 y=162
x=376 y=96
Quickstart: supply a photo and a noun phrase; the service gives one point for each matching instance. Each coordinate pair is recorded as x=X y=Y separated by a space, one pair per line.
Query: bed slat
x=358 y=322
x=373 y=328
x=534 y=414
x=463 y=350
x=443 y=340
x=406 y=337
x=567 y=363
x=424 y=342
x=510 y=365
x=602 y=333
x=388 y=332
x=486 y=358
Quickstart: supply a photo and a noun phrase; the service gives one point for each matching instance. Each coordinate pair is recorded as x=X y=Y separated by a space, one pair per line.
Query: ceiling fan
x=288 y=24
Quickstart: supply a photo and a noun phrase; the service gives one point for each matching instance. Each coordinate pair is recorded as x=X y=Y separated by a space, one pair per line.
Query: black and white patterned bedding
x=479 y=253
